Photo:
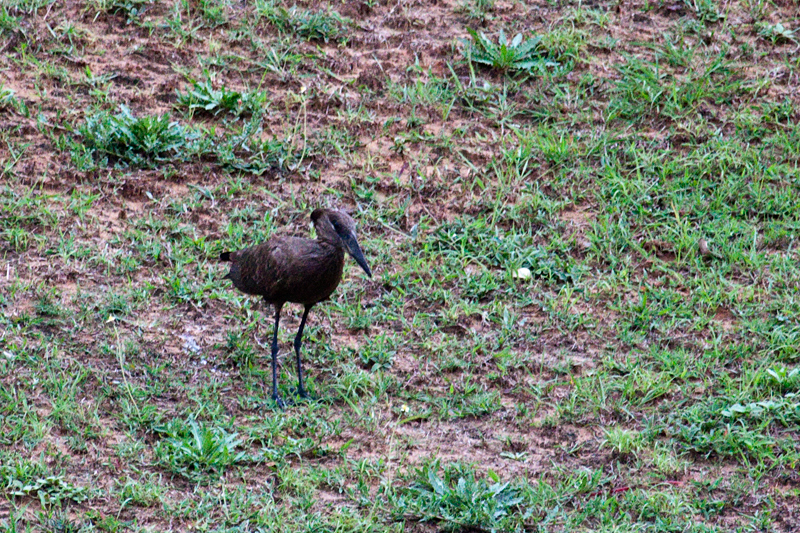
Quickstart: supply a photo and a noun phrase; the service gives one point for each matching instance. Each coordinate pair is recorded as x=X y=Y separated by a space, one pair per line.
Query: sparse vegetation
x=459 y=501
x=323 y=25
x=477 y=9
x=130 y=8
x=583 y=225
x=775 y=33
x=203 y=97
x=196 y=451
x=505 y=55
x=9 y=102
x=126 y=140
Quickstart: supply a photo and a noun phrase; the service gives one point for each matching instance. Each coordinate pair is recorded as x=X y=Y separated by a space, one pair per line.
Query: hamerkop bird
x=291 y=269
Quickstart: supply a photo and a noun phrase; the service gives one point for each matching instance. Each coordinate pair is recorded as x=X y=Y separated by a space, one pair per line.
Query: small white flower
x=110 y=319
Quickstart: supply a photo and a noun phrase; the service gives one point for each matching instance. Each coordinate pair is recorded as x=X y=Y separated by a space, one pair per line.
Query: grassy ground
x=639 y=158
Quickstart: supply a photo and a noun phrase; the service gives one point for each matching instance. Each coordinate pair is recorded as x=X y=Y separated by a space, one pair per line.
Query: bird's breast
x=316 y=276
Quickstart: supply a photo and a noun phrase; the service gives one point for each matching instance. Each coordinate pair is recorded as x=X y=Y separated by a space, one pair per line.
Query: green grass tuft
x=124 y=140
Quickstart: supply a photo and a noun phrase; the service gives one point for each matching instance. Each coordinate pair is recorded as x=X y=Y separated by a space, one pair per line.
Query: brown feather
x=292 y=269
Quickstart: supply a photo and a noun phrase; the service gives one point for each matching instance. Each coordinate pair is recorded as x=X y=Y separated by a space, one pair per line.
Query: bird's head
x=338 y=228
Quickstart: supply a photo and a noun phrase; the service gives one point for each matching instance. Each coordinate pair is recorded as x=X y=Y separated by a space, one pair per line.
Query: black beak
x=354 y=249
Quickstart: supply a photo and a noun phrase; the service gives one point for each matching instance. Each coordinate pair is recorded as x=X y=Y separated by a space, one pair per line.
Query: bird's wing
x=260 y=269
x=285 y=269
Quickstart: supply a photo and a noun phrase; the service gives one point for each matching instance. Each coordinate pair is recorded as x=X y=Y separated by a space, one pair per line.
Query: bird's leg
x=298 y=342
x=275 y=395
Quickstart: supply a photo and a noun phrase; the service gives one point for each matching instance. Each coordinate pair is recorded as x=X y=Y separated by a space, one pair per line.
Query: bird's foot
x=303 y=396
x=279 y=402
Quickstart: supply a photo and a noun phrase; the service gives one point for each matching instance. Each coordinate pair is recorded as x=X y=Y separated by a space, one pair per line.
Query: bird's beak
x=354 y=249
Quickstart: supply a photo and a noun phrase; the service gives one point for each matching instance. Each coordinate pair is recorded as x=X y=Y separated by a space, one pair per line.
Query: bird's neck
x=329 y=240
x=333 y=252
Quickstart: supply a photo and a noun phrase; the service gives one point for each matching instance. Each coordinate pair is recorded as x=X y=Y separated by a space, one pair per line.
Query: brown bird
x=292 y=269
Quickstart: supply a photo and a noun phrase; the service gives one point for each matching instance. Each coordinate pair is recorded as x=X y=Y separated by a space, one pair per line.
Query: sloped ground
x=641 y=160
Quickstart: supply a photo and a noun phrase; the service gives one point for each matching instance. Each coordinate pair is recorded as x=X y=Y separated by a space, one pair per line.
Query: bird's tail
x=225 y=256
